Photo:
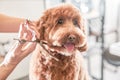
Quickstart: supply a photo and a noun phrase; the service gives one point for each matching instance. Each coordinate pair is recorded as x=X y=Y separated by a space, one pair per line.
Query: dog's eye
x=75 y=22
x=60 y=21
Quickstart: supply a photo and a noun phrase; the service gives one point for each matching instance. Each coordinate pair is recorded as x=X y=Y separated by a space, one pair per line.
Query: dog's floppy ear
x=83 y=25
x=43 y=23
x=40 y=30
x=83 y=28
x=83 y=48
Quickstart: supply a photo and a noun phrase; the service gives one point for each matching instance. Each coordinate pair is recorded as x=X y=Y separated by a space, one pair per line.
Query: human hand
x=21 y=50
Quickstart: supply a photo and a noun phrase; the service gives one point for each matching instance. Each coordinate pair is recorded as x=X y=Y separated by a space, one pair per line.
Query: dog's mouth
x=69 y=46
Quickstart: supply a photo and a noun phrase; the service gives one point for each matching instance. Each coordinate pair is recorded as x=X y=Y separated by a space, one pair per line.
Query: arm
x=18 y=51
x=13 y=58
x=9 y=24
x=6 y=69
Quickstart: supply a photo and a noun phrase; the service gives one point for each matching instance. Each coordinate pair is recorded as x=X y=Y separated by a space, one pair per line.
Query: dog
x=62 y=38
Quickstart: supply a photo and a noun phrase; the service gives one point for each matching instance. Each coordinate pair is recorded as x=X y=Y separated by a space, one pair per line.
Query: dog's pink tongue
x=69 y=46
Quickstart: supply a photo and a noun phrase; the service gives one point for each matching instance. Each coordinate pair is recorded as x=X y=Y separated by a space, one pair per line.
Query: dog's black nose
x=71 y=38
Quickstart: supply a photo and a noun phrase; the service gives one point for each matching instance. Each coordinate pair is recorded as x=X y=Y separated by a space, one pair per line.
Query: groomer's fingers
x=21 y=31
x=33 y=26
x=31 y=31
x=22 y=50
x=28 y=35
x=26 y=31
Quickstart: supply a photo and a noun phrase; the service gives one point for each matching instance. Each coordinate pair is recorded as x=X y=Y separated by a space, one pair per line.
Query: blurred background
x=103 y=29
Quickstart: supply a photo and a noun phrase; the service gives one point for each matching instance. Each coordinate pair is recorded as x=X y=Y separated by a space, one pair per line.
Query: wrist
x=11 y=61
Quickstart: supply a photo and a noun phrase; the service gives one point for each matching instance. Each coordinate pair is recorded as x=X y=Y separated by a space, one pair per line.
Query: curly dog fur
x=62 y=29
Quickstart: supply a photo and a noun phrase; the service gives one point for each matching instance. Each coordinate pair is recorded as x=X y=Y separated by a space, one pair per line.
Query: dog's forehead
x=64 y=9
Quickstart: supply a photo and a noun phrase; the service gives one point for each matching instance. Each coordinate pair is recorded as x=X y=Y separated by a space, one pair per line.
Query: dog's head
x=63 y=29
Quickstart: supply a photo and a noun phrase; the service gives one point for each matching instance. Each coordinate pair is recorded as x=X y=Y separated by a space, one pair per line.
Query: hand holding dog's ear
x=27 y=32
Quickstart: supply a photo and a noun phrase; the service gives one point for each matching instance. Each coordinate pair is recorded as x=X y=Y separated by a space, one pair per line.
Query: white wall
x=30 y=9
x=111 y=18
